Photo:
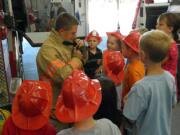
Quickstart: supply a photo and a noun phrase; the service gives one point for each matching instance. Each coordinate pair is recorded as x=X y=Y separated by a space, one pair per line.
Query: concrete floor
x=29 y=61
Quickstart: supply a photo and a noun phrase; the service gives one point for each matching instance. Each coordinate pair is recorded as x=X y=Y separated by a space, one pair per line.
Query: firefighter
x=55 y=60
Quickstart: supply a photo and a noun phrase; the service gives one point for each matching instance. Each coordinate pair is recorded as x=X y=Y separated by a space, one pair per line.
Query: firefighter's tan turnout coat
x=55 y=62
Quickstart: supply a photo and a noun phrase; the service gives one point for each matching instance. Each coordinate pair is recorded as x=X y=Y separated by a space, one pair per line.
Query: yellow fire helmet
x=4 y=114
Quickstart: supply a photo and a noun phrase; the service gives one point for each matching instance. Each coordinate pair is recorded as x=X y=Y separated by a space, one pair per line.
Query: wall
x=80 y=13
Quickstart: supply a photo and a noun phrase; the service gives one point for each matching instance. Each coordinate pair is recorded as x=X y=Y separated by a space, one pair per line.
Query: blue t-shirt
x=150 y=104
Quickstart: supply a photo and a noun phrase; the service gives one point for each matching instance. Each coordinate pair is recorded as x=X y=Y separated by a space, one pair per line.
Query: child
x=168 y=23
x=114 y=41
x=78 y=101
x=113 y=44
x=30 y=110
x=114 y=69
x=113 y=61
x=150 y=101
x=108 y=107
x=94 y=54
x=134 y=70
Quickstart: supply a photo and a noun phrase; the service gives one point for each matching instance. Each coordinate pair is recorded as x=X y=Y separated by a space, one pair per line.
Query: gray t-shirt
x=150 y=104
x=102 y=127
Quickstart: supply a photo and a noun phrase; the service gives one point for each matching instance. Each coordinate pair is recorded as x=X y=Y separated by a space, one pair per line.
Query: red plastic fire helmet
x=32 y=105
x=93 y=34
x=115 y=61
x=116 y=34
x=115 y=65
x=79 y=99
x=132 y=40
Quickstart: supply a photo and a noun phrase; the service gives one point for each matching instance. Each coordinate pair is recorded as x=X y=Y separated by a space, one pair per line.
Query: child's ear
x=171 y=29
x=142 y=55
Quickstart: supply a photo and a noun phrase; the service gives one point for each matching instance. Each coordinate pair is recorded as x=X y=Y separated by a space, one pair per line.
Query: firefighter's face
x=70 y=35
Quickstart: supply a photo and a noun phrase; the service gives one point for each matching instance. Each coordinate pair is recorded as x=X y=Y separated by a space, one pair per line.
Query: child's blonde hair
x=156 y=44
x=141 y=30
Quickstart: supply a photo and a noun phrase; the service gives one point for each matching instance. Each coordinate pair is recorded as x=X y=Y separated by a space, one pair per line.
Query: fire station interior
x=25 y=24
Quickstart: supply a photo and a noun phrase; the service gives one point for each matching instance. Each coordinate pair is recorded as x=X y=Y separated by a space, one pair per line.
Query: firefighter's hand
x=77 y=53
x=79 y=43
x=83 y=49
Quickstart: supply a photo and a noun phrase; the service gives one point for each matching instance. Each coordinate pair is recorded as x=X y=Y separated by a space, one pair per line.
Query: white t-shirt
x=102 y=127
